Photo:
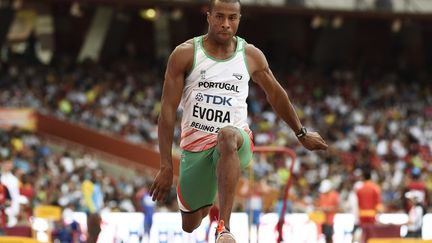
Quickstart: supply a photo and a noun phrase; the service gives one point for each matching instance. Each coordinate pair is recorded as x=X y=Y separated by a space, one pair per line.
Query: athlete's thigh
x=197 y=182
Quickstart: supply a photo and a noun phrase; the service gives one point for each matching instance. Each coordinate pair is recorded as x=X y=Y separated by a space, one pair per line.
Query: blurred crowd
x=376 y=119
x=121 y=100
x=38 y=173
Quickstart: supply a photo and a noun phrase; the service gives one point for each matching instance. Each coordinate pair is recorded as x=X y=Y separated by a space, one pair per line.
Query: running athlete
x=208 y=77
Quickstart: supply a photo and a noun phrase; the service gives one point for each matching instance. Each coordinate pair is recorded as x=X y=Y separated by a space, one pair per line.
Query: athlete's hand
x=162 y=184
x=313 y=141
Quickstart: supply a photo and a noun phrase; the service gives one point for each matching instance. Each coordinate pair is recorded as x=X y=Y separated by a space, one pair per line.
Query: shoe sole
x=226 y=238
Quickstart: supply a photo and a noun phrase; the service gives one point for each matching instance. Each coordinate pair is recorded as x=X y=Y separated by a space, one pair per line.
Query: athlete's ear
x=208 y=16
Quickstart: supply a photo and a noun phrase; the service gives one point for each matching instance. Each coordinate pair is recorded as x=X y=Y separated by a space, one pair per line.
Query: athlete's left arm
x=277 y=97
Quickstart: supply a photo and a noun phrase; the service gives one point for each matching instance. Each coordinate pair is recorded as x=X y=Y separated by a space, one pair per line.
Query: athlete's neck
x=217 y=49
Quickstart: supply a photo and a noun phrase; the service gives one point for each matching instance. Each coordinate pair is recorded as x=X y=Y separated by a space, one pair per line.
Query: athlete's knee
x=229 y=139
x=191 y=221
x=188 y=228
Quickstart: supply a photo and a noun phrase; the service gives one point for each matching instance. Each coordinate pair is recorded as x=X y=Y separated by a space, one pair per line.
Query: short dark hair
x=367 y=173
x=212 y=3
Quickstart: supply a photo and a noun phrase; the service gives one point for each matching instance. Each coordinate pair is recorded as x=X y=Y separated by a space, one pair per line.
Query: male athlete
x=208 y=76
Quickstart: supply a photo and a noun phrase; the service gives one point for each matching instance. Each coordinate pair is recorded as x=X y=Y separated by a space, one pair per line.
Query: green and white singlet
x=214 y=96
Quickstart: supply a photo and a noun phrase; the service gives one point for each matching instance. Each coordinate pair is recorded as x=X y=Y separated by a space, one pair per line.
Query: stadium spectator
x=328 y=203
x=4 y=202
x=415 y=213
x=148 y=208
x=9 y=180
x=66 y=230
x=87 y=188
x=369 y=199
x=415 y=183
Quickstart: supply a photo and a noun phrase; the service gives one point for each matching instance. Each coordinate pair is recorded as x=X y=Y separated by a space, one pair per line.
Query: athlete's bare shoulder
x=255 y=58
x=182 y=56
x=252 y=51
x=187 y=45
x=185 y=49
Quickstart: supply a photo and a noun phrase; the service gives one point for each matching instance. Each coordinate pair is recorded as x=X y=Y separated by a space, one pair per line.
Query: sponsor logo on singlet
x=211 y=112
x=238 y=76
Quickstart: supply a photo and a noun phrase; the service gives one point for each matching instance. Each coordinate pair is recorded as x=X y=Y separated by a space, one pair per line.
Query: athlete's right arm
x=178 y=65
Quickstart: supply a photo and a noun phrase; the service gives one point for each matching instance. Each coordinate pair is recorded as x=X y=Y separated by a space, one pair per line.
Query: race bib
x=209 y=113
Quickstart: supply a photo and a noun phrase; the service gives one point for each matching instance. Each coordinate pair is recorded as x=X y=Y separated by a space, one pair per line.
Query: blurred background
x=80 y=87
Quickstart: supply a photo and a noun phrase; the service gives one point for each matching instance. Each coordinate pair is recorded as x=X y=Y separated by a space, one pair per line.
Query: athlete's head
x=223 y=18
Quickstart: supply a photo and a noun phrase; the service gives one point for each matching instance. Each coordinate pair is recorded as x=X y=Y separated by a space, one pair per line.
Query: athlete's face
x=223 y=21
